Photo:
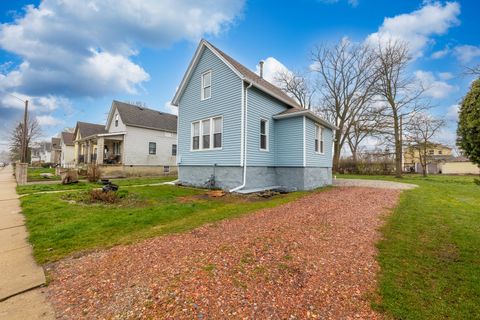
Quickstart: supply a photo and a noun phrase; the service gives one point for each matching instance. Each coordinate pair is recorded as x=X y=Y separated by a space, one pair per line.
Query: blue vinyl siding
x=314 y=159
x=225 y=101
x=289 y=142
x=261 y=106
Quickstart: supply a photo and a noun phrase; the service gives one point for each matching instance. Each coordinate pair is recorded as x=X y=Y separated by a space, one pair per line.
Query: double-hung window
x=174 y=149
x=195 y=135
x=152 y=148
x=318 y=139
x=217 y=132
x=207 y=133
x=263 y=134
x=116 y=120
x=206 y=85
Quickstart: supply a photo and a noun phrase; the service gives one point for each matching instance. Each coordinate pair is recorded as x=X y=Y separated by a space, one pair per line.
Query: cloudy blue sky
x=70 y=58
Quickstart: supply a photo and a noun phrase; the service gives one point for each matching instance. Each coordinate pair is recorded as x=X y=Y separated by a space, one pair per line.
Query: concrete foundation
x=296 y=178
x=121 y=171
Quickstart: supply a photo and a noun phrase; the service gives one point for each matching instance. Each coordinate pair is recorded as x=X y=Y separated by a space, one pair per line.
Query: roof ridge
x=256 y=78
x=142 y=107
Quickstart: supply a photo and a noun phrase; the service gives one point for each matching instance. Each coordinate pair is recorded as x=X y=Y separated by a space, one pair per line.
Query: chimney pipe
x=261 y=68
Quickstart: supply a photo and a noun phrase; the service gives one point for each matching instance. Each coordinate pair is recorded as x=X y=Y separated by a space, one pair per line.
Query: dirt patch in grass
x=311 y=258
x=97 y=197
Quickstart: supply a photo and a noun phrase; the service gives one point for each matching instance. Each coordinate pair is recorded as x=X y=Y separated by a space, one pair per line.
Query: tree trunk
x=398 y=146
x=354 y=159
x=336 y=152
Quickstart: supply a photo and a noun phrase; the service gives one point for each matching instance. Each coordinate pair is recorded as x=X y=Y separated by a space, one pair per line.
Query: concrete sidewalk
x=19 y=274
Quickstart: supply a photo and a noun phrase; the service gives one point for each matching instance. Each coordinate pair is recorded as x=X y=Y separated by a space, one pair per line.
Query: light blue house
x=245 y=132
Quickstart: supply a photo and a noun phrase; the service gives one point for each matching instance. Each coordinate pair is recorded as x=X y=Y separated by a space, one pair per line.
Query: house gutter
x=243 y=161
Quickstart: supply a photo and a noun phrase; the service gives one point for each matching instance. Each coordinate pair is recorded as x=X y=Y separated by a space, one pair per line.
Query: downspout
x=245 y=138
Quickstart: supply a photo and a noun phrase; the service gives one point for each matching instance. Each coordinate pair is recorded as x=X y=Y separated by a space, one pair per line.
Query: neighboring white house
x=460 y=165
x=41 y=151
x=136 y=141
x=67 y=150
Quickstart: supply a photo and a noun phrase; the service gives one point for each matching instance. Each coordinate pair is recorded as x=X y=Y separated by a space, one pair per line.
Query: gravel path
x=312 y=258
x=373 y=184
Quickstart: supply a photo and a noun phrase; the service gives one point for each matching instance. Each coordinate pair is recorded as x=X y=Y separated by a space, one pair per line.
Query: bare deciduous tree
x=421 y=129
x=401 y=94
x=345 y=81
x=367 y=123
x=296 y=85
x=475 y=70
x=16 y=137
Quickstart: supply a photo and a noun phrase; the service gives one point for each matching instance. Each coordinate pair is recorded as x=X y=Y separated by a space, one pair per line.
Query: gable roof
x=88 y=129
x=67 y=138
x=55 y=143
x=142 y=117
x=243 y=72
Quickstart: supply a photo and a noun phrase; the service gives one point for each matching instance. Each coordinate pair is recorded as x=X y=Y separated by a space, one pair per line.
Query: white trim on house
x=203 y=86
x=321 y=141
x=267 y=135
x=192 y=65
x=211 y=134
x=309 y=114
x=194 y=62
x=242 y=124
x=304 y=141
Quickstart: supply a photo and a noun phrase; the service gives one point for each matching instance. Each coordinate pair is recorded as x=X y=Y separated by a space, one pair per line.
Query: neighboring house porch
x=102 y=149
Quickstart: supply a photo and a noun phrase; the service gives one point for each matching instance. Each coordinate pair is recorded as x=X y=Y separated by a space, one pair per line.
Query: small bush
x=105 y=197
x=93 y=173
x=477 y=181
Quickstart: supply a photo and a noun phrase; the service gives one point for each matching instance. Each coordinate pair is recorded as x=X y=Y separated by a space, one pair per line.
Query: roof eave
x=307 y=114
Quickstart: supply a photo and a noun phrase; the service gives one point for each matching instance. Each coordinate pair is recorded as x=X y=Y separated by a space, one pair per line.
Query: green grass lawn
x=58 y=226
x=31 y=188
x=33 y=174
x=430 y=253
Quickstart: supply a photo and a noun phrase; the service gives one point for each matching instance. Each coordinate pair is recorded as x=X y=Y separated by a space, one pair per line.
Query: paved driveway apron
x=19 y=274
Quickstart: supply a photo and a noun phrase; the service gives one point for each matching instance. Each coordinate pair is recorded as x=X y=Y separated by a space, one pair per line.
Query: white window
x=207 y=134
x=207 y=85
x=318 y=139
x=196 y=135
x=152 y=148
x=116 y=120
x=263 y=134
x=217 y=132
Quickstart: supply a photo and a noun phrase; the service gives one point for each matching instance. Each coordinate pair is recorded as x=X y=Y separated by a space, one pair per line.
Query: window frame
x=116 y=120
x=211 y=134
x=267 y=135
x=150 y=148
x=174 y=148
x=320 y=146
x=203 y=87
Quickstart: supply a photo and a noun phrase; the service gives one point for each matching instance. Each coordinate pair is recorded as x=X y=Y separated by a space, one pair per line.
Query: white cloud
x=38 y=104
x=271 y=67
x=434 y=88
x=418 y=27
x=452 y=113
x=467 y=53
x=445 y=75
x=171 y=108
x=353 y=3
x=440 y=53
x=73 y=48
x=48 y=120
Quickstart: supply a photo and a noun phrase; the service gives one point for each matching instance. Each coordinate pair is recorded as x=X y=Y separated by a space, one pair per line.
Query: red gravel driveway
x=312 y=258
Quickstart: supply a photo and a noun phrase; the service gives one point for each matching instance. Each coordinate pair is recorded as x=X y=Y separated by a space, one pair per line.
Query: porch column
x=87 y=154
x=100 y=146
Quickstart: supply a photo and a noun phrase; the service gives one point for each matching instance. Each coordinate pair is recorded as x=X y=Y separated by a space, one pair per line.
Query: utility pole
x=25 y=130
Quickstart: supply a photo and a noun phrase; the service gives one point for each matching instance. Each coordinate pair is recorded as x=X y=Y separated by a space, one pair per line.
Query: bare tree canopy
x=346 y=75
x=475 y=70
x=16 y=137
x=296 y=85
x=421 y=130
x=401 y=94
